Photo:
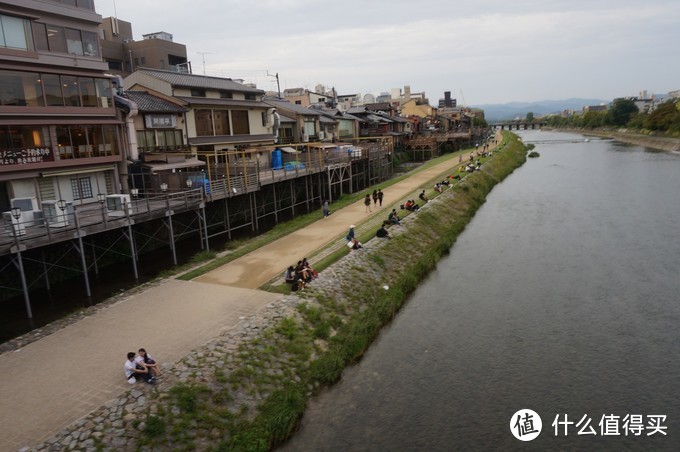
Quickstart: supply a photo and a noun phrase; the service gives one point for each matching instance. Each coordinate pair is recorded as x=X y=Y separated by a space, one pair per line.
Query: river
x=561 y=296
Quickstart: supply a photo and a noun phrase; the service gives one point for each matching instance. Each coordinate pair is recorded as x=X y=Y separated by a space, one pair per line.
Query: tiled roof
x=284 y=105
x=223 y=102
x=148 y=103
x=199 y=81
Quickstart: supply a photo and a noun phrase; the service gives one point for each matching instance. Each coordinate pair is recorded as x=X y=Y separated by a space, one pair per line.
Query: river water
x=561 y=296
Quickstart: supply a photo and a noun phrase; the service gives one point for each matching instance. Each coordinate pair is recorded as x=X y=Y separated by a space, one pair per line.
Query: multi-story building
x=60 y=138
x=155 y=51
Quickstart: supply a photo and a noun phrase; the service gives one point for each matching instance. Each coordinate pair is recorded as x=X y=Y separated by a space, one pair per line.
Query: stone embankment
x=247 y=388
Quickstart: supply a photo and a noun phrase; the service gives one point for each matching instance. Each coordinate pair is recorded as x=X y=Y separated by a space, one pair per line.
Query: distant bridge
x=517 y=125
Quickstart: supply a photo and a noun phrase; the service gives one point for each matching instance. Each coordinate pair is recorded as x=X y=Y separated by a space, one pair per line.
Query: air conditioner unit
x=322 y=135
x=13 y=225
x=54 y=215
x=117 y=204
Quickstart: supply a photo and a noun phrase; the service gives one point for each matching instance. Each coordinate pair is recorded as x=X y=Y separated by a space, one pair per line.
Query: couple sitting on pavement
x=141 y=366
x=411 y=205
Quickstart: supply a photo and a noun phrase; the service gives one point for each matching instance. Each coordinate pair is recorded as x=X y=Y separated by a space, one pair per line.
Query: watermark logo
x=526 y=425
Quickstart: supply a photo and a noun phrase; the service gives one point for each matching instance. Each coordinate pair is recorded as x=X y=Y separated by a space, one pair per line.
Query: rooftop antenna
x=203 y=54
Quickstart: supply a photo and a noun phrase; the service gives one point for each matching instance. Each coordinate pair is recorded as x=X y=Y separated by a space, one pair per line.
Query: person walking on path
x=326 y=209
x=375 y=198
x=367 y=203
x=380 y=197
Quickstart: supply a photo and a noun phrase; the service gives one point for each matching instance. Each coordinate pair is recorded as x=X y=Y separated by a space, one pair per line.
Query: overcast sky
x=493 y=51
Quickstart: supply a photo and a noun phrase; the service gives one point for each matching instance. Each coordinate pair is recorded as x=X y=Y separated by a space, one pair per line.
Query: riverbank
x=660 y=143
x=247 y=388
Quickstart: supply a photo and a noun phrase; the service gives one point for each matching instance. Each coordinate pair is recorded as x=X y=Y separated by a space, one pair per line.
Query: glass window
x=20 y=88
x=250 y=96
x=70 y=89
x=226 y=95
x=52 y=87
x=103 y=86
x=40 y=36
x=90 y=45
x=87 y=4
x=15 y=33
x=56 y=38
x=74 y=43
x=81 y=187
x=87 y=91
x=239 y=119
x=221 y=122
x=309 y=128
x=204 y=126
x=197 y=92
x=111 y=140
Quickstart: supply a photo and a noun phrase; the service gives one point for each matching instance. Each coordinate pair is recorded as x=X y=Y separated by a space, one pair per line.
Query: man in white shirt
x=137 y=370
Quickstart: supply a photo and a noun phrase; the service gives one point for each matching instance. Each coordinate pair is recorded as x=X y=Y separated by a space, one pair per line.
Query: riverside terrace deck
x=240 y=179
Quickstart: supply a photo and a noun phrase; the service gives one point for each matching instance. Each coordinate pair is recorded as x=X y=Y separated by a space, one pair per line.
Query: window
x=250 y=96
x=226 y=95
x=239 y=119
x=74 y=44
x=197 y=92
x=56 y=38
x=298 y=102
x=81 y=187
x=87 y=91
x=221 y=122
x=142 y=60
x=15 y=33
x=20 y=88
x=309 y=128
x=103 y=86
x=70 y=89
x=52 y=87
x=204 y=125
x=115 y=65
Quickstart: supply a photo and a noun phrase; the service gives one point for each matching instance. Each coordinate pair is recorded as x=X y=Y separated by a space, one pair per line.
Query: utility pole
x=278 y=87
x=203 y=54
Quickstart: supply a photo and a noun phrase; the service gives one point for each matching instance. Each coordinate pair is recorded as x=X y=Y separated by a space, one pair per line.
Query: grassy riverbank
x=251 y=397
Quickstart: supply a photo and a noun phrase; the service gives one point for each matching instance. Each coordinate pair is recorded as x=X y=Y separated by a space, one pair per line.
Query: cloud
x=501 y=50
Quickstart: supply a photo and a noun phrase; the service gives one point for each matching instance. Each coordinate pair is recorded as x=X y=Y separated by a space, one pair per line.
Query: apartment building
x=60 y=137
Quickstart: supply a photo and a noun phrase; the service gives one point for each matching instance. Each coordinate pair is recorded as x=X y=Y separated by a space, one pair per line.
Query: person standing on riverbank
x=375 y=198
x=326 y=209
x=380 y=197
x=367 y=203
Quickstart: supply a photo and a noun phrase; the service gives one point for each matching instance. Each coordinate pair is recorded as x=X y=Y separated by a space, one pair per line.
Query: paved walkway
x=60 y=378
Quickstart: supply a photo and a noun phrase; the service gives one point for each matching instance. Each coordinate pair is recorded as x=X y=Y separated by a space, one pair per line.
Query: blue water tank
x=277 y=159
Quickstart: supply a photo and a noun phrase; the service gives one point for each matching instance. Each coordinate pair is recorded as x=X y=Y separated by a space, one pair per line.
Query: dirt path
x=260 y=266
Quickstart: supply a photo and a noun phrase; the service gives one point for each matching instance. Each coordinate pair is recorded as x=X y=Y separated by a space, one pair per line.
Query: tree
x=664 y=117
x=620 y=112
x=530 y=117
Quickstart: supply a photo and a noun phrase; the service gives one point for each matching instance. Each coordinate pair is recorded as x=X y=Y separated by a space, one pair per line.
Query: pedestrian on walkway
x=375 y=198
x=367 y=203
x=326 y=209
x=380 y=197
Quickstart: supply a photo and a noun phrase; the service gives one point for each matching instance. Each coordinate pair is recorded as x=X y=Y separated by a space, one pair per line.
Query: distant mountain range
x=512 y=110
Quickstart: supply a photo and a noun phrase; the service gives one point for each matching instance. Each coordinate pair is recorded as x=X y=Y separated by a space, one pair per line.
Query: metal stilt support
x=81 y=250
x=171 y=232
x=205 y=226
x=19 y=263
